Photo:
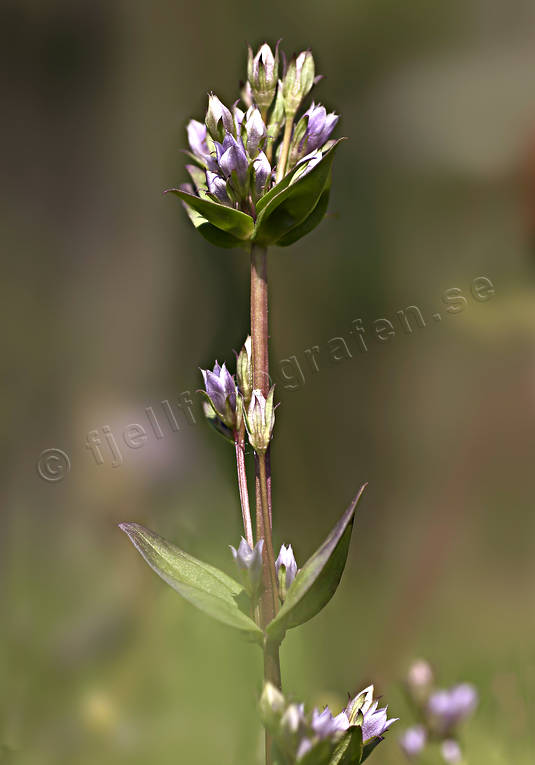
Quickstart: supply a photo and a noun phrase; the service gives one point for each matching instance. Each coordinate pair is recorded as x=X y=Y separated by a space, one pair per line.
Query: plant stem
x=259 y=337
x=239 y=442
x=283 y=159
x=267 y=524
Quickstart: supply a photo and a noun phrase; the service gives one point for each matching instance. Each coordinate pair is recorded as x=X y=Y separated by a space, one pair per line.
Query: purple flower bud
x=249 y=563
x=451 y=751
x=221 y=392
x=325 y=725
x=413 y=740
x=448 y=708
x=235 y=165
x=197 y=139
x=217 y=186
x=298 y=81
x=218 y=119
x=256 y=132
x=261 y=174
x=311 y=132
x=286 y=561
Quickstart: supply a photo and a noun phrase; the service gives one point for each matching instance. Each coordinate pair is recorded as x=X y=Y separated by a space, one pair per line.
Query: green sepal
x=234 y=222
x=317 y=581
x=349 y=749
x=204 y=586
x=212 y=234
x=368 y=748
x=290 y=207
x=310 y=223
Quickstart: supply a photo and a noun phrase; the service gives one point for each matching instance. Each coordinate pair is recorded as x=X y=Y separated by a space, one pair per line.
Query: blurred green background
x=111 y=302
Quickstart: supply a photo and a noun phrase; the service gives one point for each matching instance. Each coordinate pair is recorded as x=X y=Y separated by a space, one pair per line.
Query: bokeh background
x=111 y=302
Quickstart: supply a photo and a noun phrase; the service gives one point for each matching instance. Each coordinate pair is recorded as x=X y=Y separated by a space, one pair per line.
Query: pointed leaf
x=235 y=222
x=349 y=750
x=205 y=586
x=295 y=203
x=310 y=223
x=317 y=581
x=214 y=235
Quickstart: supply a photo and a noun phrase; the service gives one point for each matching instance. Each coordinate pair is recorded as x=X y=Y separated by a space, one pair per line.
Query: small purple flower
x=325 y=725
x=235 y=165
x=217 y=186
x=255 y=130
x=413 y=740
x=319 y=128
x=448 y=708
x=249 y=563
x=197 y=139
x=261 y=174
x=375 y=722
x=221 y=392
x=451 y=751
x=286 y=559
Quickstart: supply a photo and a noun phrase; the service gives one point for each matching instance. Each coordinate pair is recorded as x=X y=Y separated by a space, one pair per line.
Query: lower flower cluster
x=321 y=737
x=441 y=711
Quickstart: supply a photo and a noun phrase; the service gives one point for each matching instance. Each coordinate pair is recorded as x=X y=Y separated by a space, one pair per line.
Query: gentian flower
x=413 y=741
x=221 y=393
x=451 y=751
x=375 y=722
x=448 y=708
x=286 y=568
x=263 y=73
x=249 y=563
x=312 y=132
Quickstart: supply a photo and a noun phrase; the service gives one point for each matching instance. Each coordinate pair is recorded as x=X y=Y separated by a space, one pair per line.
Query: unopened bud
x=244 y=371
x=298 y=81
x=286 y=569
x=249 y=564
x=263 y=73
x=272 y=706
x=260 y=420
x=219 y=120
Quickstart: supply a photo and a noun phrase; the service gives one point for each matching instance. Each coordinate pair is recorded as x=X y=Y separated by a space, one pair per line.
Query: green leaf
x=316 y=583
x=214 y=235
x=310 y=223
x=206 y=587
x=318 y=755
x=234 y=222
x=349 y=749
x=294 y=204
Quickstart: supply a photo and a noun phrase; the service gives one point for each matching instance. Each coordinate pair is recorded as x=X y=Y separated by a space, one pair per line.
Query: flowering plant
x=261 y=175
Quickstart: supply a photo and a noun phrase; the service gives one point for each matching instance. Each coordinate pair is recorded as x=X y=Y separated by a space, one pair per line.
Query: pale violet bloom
x=197 y=139
x=287 y=559
x=451 y=751
x=325 y=725
x=249 y=563
x=261 y=173
x=221 y=390
x=448 y=708
x=413 y=740
x=317 y=126
x=234 y=165
x=375 y=721
x=255 y=131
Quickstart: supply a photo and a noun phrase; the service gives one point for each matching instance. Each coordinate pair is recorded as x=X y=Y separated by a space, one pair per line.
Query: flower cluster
x=239 y=154
x=317 y=734
x=441 y=712
x=229 y=403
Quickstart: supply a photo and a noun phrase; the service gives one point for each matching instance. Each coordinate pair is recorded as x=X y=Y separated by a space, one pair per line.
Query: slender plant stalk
x=239 y=442
x=285 y=148
x=267 y=524
x=259 y=337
